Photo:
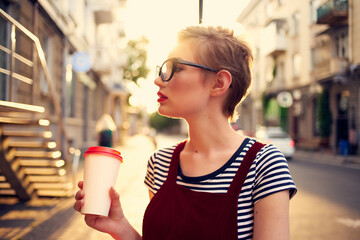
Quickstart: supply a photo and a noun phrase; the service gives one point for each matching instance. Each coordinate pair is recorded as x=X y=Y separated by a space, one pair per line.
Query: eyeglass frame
x=175 y=61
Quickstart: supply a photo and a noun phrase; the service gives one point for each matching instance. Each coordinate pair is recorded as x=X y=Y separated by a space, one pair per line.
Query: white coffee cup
x=100 y=174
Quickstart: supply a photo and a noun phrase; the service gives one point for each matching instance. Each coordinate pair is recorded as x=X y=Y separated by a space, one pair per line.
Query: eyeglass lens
x=166 y=70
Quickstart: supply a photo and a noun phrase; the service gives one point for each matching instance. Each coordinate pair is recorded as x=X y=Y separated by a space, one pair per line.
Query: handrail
x=44 y=67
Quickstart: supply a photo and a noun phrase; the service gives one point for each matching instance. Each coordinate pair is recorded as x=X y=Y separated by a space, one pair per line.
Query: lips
x=162 y=97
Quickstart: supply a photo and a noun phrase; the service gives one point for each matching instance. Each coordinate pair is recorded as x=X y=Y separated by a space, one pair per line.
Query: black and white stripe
x=268 y=174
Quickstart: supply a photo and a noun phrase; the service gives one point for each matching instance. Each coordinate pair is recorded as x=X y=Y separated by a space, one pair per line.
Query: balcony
x=330 y=68
x=333 y=12
x=275 y=38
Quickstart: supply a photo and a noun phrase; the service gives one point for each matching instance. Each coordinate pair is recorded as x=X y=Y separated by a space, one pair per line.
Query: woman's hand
x=114 y=224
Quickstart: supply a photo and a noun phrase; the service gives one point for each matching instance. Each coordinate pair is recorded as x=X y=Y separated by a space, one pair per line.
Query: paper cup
x=100 y=174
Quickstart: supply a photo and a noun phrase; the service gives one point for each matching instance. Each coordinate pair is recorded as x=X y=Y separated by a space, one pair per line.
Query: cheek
x=192 y=83
x=184 y=100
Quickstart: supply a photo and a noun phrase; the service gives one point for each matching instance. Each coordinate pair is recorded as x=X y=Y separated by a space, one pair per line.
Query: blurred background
x=79 y=73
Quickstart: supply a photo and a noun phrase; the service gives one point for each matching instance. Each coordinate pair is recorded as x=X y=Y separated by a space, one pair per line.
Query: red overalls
x=178 y=213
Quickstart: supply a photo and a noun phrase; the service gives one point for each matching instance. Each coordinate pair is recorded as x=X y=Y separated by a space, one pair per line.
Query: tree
x=161 y=123
x=136 y=62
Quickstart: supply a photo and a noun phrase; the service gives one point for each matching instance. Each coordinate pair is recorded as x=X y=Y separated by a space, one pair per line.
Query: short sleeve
x=272 y=174
x=149 y=177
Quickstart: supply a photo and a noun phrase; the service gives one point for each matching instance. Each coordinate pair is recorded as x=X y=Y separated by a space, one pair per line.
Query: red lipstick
x=162 y=97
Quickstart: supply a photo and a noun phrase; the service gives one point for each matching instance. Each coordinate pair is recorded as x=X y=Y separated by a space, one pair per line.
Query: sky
x=160 y=20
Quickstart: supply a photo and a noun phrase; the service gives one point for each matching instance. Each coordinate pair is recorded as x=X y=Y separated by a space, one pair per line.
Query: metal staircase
x=34 y=153
x=31 y=164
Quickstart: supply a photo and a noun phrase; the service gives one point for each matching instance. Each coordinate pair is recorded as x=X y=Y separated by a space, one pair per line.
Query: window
x=296 y=65
x=48 y=48
x=295 y=20
x=341 y=41
x=316 y=125
x=314 y=4
x=70 y=91
x=281 y=72
x=313 y=58
x=4 y=57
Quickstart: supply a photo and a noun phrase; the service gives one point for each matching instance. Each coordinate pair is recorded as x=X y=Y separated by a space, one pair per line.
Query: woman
x=217 y=184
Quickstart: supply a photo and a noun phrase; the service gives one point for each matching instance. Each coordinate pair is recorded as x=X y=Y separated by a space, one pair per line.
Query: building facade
x=306 y=71
x=84 y=62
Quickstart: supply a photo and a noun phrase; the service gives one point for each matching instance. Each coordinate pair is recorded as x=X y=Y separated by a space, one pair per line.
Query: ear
x=222 y=83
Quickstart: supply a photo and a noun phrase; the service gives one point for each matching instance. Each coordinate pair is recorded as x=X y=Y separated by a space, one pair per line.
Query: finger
x=81 y=184
x=78 y=205
x=79 y=195
x=115 y=198
x=116 y=211
x=90 y=219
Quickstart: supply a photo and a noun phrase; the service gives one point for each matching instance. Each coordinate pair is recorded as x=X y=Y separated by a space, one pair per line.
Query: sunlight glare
x=159 y=21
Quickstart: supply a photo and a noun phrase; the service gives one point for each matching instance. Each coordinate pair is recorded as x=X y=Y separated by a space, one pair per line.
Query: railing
x=62 y=139
x=330 y=67
x=332 y=5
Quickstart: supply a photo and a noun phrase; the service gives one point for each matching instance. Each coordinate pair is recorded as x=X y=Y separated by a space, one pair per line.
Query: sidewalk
x=328 y=158
x=55 y=218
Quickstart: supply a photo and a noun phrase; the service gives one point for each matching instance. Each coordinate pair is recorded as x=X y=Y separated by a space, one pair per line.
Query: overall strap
x=239 y=179
x=174 y=164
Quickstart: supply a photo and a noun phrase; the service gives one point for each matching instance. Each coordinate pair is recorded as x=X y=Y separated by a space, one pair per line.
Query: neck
x=210 y=133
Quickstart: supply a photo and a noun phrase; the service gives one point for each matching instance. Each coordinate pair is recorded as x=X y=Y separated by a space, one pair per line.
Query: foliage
x=161 y=123
x=136 y=62
x=324 y=114
x=265 y=105
x=284 y=118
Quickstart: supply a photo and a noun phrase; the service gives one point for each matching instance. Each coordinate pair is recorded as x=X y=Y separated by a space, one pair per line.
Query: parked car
x=277 y=137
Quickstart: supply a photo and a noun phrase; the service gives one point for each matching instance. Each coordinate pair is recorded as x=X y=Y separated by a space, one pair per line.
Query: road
x=327 y=205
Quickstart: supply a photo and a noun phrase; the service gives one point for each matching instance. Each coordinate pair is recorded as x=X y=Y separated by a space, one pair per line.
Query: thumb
x=115 y=198
x=115 y=208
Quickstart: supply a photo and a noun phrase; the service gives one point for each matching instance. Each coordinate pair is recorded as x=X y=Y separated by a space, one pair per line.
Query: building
x=59 y=65
x=306 y=71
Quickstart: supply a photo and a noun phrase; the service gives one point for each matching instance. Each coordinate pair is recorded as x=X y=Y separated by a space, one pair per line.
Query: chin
x=168 y=114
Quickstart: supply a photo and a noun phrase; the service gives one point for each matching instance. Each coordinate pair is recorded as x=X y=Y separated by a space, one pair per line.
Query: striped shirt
x=268 y=174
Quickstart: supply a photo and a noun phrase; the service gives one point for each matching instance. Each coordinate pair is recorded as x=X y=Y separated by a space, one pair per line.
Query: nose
x=159 y=82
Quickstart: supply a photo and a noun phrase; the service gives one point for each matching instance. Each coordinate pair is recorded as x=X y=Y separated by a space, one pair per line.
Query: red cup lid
x=105 y=151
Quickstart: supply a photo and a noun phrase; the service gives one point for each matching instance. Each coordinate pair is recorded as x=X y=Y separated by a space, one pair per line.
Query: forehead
x=185 y=50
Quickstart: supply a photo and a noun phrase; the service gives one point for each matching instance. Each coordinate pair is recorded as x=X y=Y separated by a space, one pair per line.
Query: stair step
x=5 y=185
x=13 y=133
x=22 y=121
x=51 y=178
x=31 y=144
x=2 y=178
x=6 y=188
x=38 y=154
x=41 y=163
x=53 y=186
x=15 y=165
x=45 y=171
x=22 y=115
x=7 y=106
x=8 y=192
x=55 y=193
x=10 y=155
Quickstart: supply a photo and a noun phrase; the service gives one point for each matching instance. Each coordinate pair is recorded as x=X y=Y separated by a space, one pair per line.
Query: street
x=327 y=205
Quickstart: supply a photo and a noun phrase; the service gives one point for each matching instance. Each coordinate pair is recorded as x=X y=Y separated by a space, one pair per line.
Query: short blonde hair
x=219 y=48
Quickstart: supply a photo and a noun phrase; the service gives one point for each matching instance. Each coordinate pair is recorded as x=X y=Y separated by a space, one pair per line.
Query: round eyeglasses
x=169 y=67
